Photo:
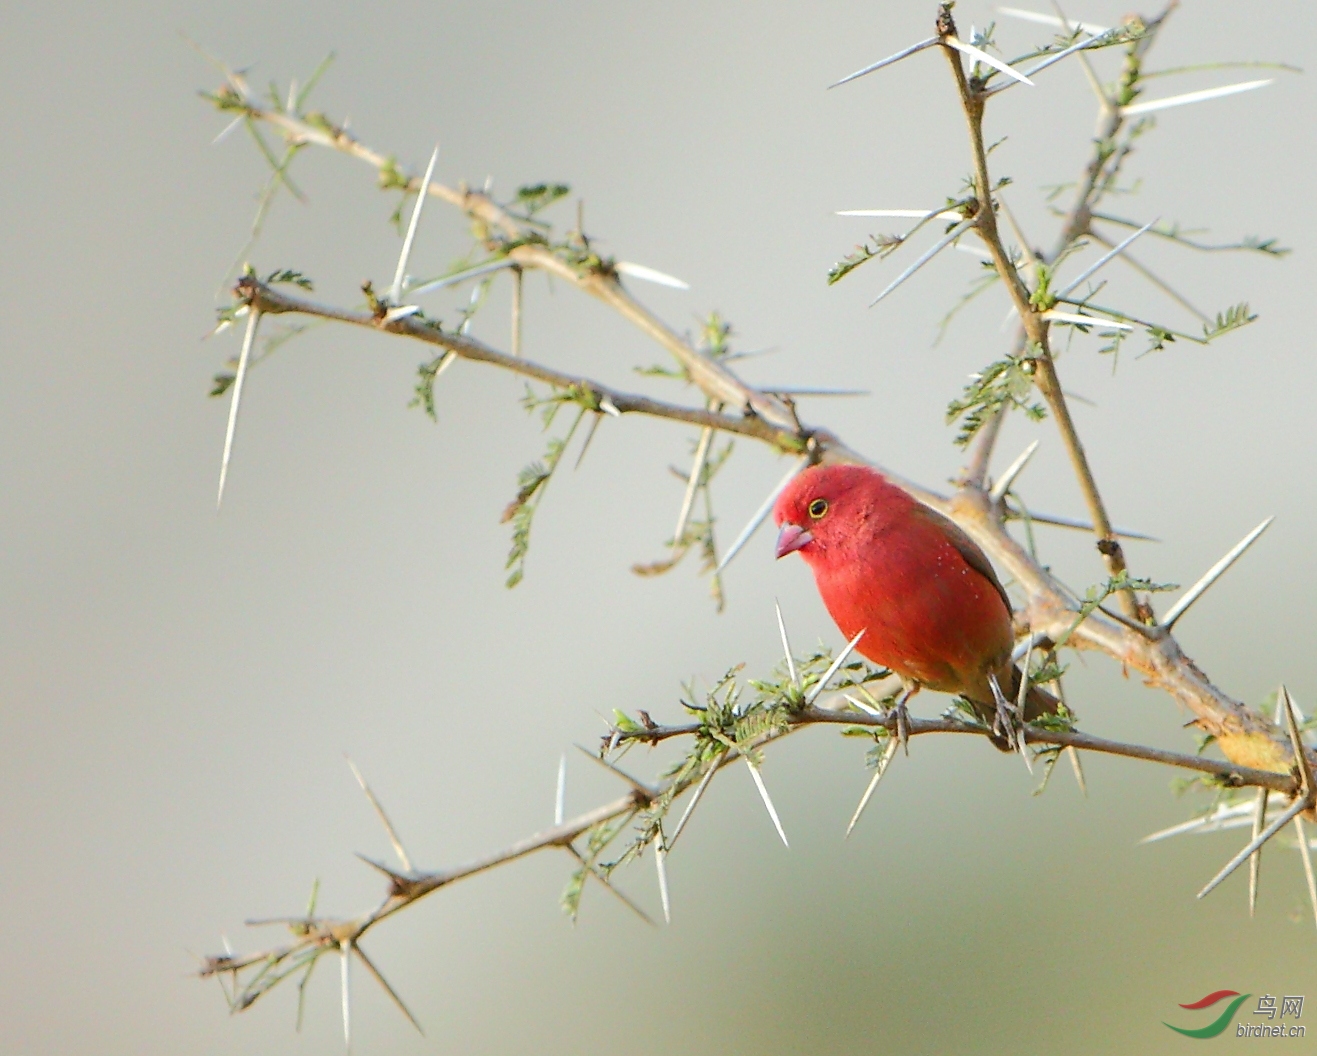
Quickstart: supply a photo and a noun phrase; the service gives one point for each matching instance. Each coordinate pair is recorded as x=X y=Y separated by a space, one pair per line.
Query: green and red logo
x=1218 y=1025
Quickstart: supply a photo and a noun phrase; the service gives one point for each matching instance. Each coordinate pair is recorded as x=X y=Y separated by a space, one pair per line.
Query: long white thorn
x=760 y=515
x=388 y=988
x=1290 y=813
x=1106 y=258
x=389 y=830
x=1218 y=820
x=768 y=802
x=396 y=294
x=1281 y=701
x=786 y=644
x=1306 y=853
x=889 y=753
x=1024 y=680
x=253 y=321
x=660 y=863
x=345 y=951
x=1083 y=526
x=811 y=390
x=1003 y=483
x=868 y=709
x=929 y=254
x=695 y=798
x=227 y=129
x=693 y=484
x=1309 y=783
x=1053 y=59
x=1077 y=765
x=560 y=798
x=912 y=214
x=1052 y=20
x=459 y=277
x=833 y=668
x=640 y=271
x=449 y=358
x=617 y=771
x=1027 y=645
x=1097 y=322
x=903 y=54
x=593 y=870
x=518 y=284
x=402 y=311
x=1213 y=574
x=979 y=55
x=1192 y=97
x=1255 y=860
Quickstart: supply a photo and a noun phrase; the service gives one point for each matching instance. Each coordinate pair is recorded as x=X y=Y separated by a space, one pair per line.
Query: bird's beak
x=791 y=538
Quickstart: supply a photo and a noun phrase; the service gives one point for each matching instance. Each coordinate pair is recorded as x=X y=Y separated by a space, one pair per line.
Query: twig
x=972 y=102
x=274 y=301
x=714 y=379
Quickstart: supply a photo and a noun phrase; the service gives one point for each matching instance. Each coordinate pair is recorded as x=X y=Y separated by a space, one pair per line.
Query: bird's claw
x=902 y=715
x=1008 y=723
x=903 y=725
x=1003 y=724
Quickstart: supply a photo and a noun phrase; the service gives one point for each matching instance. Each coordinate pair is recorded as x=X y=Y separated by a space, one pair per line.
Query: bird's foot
x=902 y=714
x=1006 y=723
x=903 y=725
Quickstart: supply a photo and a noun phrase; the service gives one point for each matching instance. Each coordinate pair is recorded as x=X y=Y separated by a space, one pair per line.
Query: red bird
x=931 y=607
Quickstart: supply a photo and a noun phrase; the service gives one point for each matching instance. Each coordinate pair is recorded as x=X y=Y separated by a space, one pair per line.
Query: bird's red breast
x=930 y=605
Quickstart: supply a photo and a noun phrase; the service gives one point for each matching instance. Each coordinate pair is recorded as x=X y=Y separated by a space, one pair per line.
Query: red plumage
x=928 y=600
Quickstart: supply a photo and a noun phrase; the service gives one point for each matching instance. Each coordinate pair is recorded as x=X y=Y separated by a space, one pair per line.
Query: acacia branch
x=523 y=244
x=315 y=936
x=268 y=300
x=1100 y=176
x=1255 y=755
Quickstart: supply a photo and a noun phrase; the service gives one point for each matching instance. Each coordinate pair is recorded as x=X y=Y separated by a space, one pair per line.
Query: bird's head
x=822 y=509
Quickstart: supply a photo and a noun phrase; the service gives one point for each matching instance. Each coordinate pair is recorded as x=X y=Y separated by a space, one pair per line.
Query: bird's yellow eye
x=818 y=508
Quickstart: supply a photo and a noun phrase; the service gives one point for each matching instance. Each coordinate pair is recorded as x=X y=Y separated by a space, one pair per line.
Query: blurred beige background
x=179 y=687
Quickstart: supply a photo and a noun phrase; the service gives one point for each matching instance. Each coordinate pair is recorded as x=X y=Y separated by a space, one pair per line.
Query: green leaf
x=570 y=900
x=535 y=197
x=1007 y=382
x=534 y=479
x=1095 y=596
x=289 y=277
x=1231 y=319
x=876 y=246
x=426 y=373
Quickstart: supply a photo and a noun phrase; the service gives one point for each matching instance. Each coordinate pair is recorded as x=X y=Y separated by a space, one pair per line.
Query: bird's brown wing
x=969 y=550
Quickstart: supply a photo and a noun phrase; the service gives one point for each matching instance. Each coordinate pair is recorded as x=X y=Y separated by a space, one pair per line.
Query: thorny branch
x=600 y=398
x=1099 y=177
x=314 y=936
x=1256 y=752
